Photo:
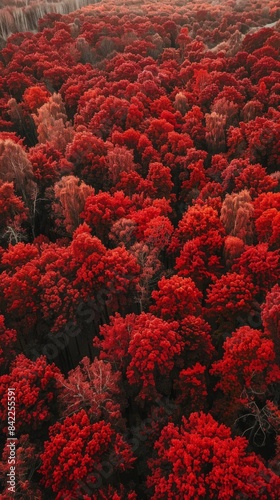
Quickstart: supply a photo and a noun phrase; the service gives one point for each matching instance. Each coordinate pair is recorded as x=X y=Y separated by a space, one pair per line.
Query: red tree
x=233 y=248
x=260 y=264
x=248 y=362
x=93 y=387
x=121 y=276
x=266 y=201
x=158 y=232
x=20 y=295
x=230 y=296
x=102 y=210
x=198 y=346
x=34 y=97
x=145 y=348
x=160 y=177
x=255 y=179
x=75 y=454
x=87 y=153
x=268 y=227
x=200 y=221
x=176 y=297
x=153 y=348
x=199 y=262
x=48 y=165
x=36 y=388
x=200 y=459
x=191 y=389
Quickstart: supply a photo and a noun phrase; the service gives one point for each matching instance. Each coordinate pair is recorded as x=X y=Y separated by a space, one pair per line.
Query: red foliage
x=195 y=451
x=191 y=388
x=196 y=181
x=139 y=203
x=93 y=387
x=112 y=116
x=120 y=493
x=76 y=452
x=202 y=222
x=153 y=347
x=231 y=295
x=19 y=295
x=248 y=362
x=115 y=339
x=200 y=260
x=17 y=84
x=58 y=297
x=158 y=131
x=177 y=144
x=160 y=177
x=36 y=389
x=194 y=125
x=87 y=153
x=268 y=227
x=233 y=248
x=121 y=277
x=48 y=164
x=256 y=40
x=258 y=140
x=144 y=347
x=254 y=179
x=35 y=97
x=102 y=210
x=260 y=264
x=17 y=255
x=84 y=267
x=176 y=297
x=266 y=201
x=158 y=232
x=195 y=332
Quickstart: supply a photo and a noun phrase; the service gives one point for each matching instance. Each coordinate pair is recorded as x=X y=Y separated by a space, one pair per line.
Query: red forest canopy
x=139 y=249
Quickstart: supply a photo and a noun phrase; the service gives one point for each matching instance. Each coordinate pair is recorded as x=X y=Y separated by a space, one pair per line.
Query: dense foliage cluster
x=139 y=252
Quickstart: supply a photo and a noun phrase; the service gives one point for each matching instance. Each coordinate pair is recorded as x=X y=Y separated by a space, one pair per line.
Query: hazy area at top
x=23 y=15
